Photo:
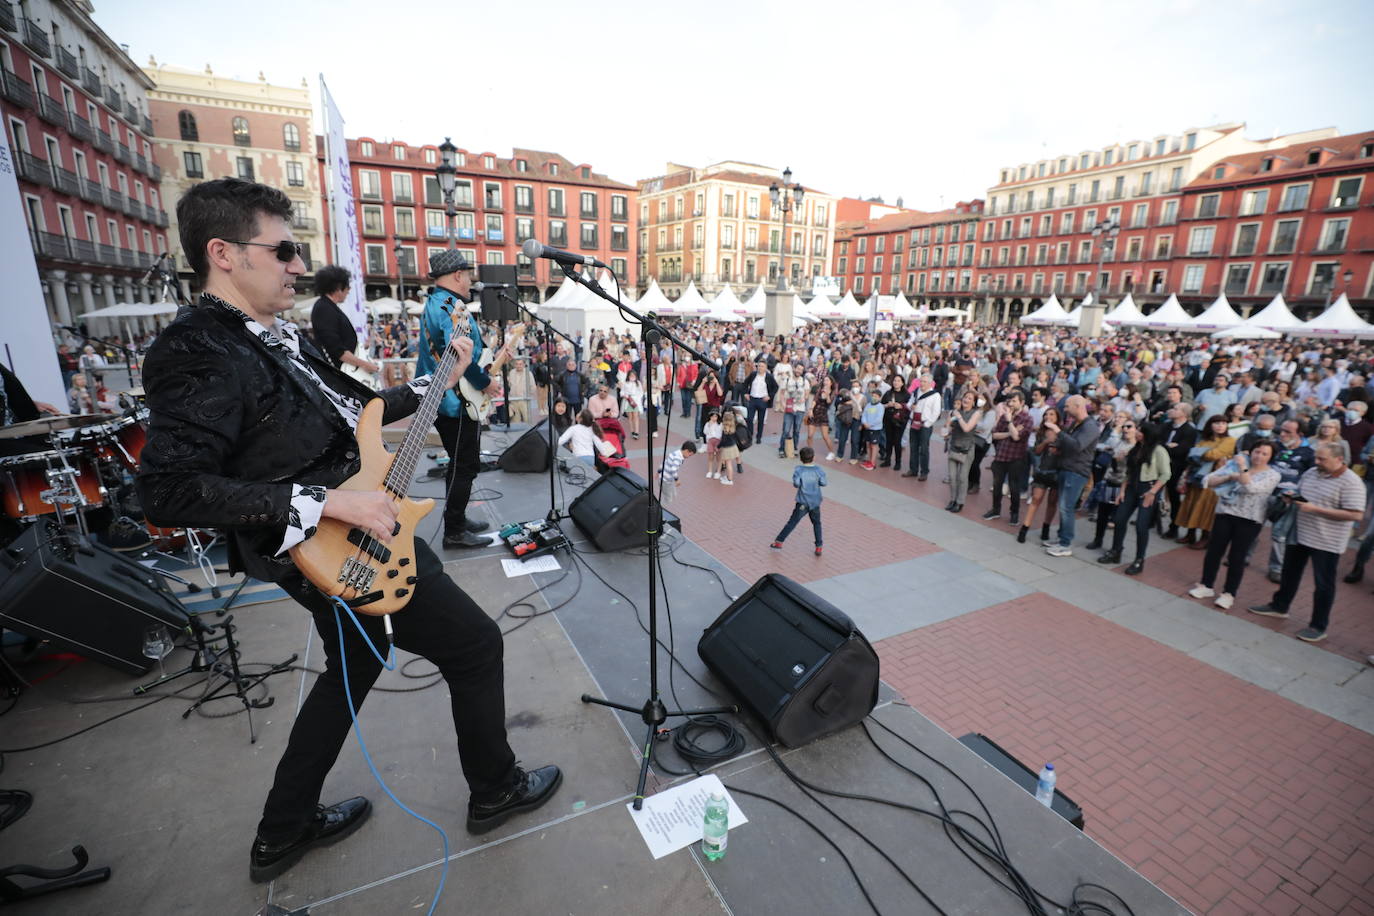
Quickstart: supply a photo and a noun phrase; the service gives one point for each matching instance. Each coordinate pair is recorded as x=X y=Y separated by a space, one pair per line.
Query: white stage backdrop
x=26 y=342
x=343 y=218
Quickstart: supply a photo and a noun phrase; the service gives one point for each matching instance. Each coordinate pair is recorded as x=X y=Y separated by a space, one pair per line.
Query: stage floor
x=171 y=804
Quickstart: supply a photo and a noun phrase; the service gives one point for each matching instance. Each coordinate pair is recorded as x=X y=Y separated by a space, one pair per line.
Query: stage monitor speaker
x=83 y=599
x=530 y=453
x=614 y=511
x=793 y=659
x=496 y=303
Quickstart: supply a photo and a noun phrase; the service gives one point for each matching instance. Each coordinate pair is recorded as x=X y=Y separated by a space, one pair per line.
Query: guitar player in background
x=460 y=433
x=252 y=431
x=332 y=329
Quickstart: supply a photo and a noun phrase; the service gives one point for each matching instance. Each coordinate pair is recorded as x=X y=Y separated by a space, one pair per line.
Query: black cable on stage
x=863 y=889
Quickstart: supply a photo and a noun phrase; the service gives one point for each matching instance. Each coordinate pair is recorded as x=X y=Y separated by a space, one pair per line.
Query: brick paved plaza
x=1222 y=758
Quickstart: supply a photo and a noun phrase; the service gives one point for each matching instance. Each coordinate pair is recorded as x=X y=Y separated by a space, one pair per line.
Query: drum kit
x=84 y=472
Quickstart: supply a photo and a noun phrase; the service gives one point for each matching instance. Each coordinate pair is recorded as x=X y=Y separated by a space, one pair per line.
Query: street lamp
x=400 y=275
x=780 y=198
x=1105 y=232
x=447 y=173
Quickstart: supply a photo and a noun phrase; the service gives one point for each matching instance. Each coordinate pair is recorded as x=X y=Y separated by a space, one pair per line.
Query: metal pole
x=782 y=270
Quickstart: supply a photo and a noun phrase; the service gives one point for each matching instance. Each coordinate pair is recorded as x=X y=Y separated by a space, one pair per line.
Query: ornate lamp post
x=1104 y=235
x=786 y=199
x=400 y=275
x=447 y=173
x=777 y=314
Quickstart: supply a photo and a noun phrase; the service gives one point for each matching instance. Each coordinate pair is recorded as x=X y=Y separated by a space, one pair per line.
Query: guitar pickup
x=369 y=545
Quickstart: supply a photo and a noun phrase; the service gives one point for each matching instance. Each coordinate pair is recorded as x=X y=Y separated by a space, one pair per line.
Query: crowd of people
x=1142 y=435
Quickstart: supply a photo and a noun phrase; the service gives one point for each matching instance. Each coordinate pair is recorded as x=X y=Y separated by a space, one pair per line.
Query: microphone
x=479 y=286
x=153 y=268
x=533 y=248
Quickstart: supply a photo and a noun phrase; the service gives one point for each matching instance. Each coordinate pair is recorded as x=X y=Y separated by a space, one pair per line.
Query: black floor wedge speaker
x=85 y=599
x=614 y=511
x=530 y=453
x=793 y=659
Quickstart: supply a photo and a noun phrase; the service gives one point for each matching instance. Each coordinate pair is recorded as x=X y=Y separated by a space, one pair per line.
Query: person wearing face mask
x=1261 y=428
x=925 y=413
x=1246 y=481
x=1356 y=429
x=848 y=423
x=1179 y=439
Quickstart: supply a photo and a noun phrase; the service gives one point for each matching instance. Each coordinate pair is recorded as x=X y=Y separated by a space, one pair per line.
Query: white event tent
x=756 y=304
x=897 y=308
x=575 y=310
x=1169 y=316
x=1339 y=320
x=653 y=300
x=1219 y=316
x=1126 y=312
x=1275 y=316
x=1049 y=313
x=726 y=306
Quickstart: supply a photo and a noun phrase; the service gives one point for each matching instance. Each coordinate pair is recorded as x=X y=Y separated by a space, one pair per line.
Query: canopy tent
x=575 y=310
x=797 y=322
x=1246 y=332
x=802 y=310
x=947 y=312
x=1216 y=317
x=898 y=308
x=653 y=300
x=132 y=310
x=847 y=309
x=1339 y=320
x=726 y=301
x=389 y=306
x=1169 y=316
x=757 y=303
x=691 y=302
x=1049 y=313
x=1275 y=316
x=1126 y=312
x=1075 y=314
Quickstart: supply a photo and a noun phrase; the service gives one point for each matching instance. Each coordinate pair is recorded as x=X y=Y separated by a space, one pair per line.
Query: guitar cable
x=388 y=663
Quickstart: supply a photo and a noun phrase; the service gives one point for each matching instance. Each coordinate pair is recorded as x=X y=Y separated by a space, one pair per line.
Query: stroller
x=614 y=433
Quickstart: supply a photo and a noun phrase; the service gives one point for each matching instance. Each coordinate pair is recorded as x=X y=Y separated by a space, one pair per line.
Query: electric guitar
x=358 y=373
x=479 y=405
x=347 y=562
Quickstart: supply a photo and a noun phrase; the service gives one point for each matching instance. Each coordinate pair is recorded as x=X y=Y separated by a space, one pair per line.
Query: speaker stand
x=653 y=712
x=554 y=516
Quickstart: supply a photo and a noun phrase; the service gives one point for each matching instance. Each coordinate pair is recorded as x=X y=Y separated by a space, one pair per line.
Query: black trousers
x=462 y=438
x=1132 y=495
x=1175 y=502
x=1014 y=474
x=1237 y=534
x=442 y=624
x=1295 y=557
x=975 y=471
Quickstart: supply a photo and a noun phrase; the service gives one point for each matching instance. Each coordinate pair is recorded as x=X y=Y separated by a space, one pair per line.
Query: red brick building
x=1297 y=220
x=75 y=112
x=501 y=202
x=932 y=258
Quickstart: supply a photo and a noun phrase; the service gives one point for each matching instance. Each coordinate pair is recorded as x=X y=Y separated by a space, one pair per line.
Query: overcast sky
x=925 y=101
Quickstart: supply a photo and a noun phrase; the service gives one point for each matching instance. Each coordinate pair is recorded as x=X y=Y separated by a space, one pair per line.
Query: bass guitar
x=479 y=405
x=349 y=563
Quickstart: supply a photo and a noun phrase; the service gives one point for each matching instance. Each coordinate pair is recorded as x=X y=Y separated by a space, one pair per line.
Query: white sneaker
x=1055 y=550
x=853 y=460
x=727 y=481
x=1224 y=601
x=1201 y=591
x=710 y=474
x=830 y=457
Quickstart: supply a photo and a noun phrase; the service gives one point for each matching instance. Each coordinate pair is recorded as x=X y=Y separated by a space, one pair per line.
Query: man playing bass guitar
x=458 y=430
x=252 y=431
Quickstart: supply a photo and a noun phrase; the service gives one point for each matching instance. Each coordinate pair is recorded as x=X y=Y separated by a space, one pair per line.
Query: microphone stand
x=652 y=712
x=554 y=516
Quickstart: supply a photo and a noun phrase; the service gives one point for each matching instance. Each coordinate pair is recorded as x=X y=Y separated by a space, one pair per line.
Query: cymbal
x=44 y=425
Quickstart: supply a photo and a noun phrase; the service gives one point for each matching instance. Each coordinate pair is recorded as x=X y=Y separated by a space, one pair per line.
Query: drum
x=29 y=484
x=118 y=443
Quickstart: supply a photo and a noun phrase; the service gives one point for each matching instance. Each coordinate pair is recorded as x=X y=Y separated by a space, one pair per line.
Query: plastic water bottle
x=715 y=827
x=1044 y=789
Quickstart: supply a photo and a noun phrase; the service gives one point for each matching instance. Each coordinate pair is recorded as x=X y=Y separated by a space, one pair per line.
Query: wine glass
x=157 y=644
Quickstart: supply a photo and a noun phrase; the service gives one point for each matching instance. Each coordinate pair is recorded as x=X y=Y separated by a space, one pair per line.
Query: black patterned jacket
x=232 y=427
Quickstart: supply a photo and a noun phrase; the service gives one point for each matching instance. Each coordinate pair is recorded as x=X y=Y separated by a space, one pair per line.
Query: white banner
x=26 y=342
x=343 y=215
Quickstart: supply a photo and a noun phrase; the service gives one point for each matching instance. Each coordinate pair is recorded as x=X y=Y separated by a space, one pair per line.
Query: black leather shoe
x=532 y=788
x=1355 y=575
x=329 y=826
x=1136 y=568
x=464 y=539
x=1109 y=558
x=475 y=526
x=1093 y=545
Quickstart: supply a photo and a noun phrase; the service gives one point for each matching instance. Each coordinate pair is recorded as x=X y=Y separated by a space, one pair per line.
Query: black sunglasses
x=286 y=251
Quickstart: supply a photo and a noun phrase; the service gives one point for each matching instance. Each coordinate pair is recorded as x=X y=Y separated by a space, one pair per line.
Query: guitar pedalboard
x=533 y=539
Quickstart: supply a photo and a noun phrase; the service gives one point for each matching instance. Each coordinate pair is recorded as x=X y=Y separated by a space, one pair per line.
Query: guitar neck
x=402 y=473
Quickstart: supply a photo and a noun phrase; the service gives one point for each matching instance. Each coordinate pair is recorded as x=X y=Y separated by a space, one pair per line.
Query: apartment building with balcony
x=1036 y=233
x=1294 y=220
x=931 y=258
x=208 y=126
x=501 y=202
x=716 y=225
x=75 y=112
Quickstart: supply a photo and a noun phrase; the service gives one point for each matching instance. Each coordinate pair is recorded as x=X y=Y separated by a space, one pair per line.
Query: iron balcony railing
x=36 y=39
x=90 y=81
x=7 y=20
x=78 y=126
x=51 y=110
x=66 y=62
x=16 y=90
x=33 y=169
x=112 y=99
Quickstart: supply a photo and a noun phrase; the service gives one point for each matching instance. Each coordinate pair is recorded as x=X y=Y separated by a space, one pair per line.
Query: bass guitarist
x=251 y=431
x=460 y=433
